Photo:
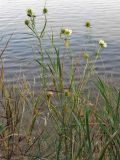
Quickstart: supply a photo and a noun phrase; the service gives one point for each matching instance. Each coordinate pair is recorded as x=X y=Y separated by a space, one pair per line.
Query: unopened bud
x=27 y=22
x=45 y=10
x=29 y=12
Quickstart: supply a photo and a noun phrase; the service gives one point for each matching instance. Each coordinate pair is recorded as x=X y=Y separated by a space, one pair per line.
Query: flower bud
x=62 y=31
x=87 y=24
x=86 y=56
x=45 y=11
x=27 y=22
x=29 y=12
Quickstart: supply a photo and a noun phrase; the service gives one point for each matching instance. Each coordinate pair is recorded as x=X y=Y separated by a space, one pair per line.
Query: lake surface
x=104 y=16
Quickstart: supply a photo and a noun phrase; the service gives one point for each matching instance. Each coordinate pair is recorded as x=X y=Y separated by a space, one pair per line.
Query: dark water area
x=104 y=16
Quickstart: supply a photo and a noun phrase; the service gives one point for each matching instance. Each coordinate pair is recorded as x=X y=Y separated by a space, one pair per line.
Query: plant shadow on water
x=62 y=122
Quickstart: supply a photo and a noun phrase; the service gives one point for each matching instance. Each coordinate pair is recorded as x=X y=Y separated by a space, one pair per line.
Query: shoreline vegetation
x=62 y=122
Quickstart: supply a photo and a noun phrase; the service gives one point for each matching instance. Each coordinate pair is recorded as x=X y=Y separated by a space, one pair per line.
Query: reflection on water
x=104 y=17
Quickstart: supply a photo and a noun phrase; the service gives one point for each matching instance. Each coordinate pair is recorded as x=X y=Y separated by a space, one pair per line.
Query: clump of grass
x=62 y=121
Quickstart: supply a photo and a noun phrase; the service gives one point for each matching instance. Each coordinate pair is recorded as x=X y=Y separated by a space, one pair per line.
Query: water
x=104 y=17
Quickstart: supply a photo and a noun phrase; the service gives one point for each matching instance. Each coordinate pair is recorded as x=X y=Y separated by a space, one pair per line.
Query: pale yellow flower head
x=102 y=44
x=66 y=32
x=49 y=94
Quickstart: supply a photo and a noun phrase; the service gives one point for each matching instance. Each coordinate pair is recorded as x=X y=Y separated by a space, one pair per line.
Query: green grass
x=61 y=122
